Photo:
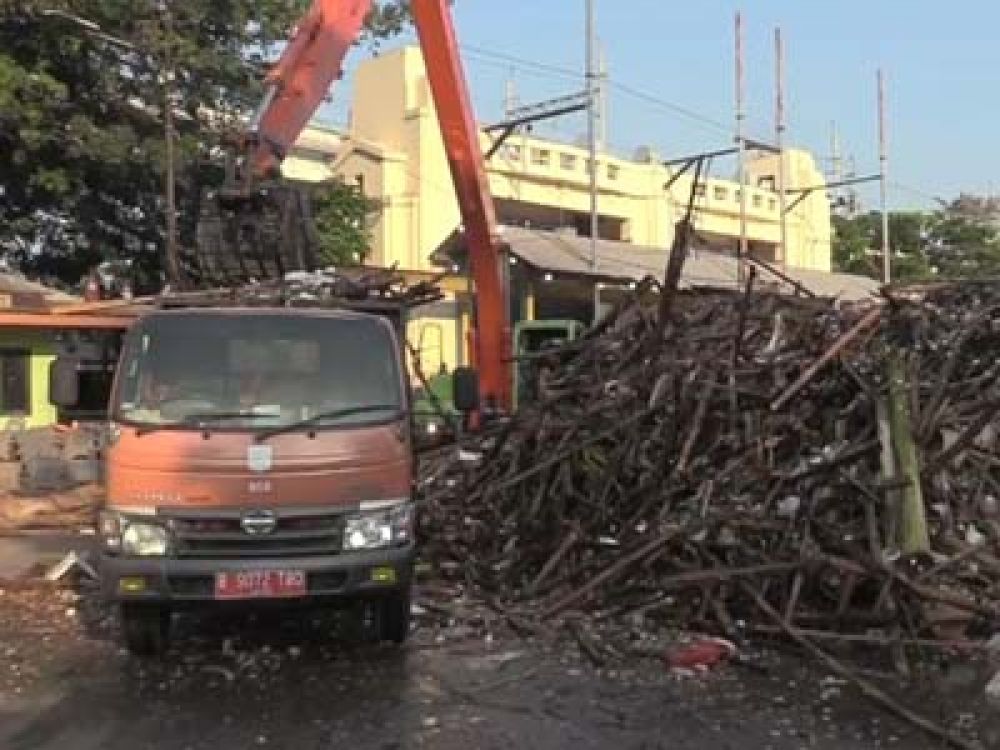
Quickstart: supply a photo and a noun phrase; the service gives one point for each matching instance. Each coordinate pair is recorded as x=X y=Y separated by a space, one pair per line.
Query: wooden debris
x=638 y=490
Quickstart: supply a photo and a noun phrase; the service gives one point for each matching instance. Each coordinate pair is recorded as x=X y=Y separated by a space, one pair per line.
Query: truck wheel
x=146 y=629
x=394 y=617
x=386 y=618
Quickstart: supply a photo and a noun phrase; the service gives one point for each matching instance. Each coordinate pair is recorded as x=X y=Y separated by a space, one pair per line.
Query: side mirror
x=465 y=389
x=64 y=382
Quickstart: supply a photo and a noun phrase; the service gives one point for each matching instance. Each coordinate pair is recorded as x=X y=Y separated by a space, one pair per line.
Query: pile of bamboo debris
x=331 y=287
x=748 y=465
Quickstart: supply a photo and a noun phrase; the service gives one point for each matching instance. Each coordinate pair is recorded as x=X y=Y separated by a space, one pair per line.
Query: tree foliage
x=961 y=239
x=82 y=137
x=343 y=216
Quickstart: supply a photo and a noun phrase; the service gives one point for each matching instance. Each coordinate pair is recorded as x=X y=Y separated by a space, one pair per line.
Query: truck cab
x=257 y=455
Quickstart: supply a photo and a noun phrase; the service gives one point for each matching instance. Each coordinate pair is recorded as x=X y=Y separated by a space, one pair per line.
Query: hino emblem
x=258 y=522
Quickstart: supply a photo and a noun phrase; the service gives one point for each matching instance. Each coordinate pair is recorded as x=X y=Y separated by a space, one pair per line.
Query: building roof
x=29 y=304
x=13 y=283
x=563 y=252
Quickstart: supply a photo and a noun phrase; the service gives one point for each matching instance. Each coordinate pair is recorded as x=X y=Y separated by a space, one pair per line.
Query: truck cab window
x=259 y=370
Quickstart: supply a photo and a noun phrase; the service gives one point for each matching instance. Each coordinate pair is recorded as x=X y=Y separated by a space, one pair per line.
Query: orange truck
x=266 y=454
x=256 y=455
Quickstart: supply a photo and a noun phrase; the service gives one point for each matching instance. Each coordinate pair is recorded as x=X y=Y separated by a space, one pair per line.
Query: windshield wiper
x=188 y=419
x=222 y=415
x=324 y=415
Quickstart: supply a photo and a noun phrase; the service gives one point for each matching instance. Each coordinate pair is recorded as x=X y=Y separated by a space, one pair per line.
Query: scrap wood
x=838 y=346
x=882 y=640
x=59 y=510
x=72 y=561
x=634 y=500
x=875 y=693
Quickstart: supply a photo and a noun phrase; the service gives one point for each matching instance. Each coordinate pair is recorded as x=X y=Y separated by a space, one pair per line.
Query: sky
x=671 y=79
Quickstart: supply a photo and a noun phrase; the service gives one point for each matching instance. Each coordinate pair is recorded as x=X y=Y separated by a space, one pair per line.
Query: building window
x=512 y=151
x=738 y=196
x=719 y=193
x=613 y=171
x=772 y=204
x=766 y=182
x=590 y=165
x=540 y=156
x=567 y=161
x=758 y=201
x=700 y=190
x=15 y=385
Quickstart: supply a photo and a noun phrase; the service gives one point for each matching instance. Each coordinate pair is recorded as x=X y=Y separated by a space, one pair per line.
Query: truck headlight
x=144 y=540
x=133 y=537
x=379 y=527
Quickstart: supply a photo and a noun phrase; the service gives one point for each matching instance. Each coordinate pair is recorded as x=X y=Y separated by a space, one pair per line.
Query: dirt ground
x=281 y=681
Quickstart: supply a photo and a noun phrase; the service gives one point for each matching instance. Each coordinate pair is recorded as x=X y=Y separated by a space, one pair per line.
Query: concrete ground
x=280 y=681
x=25 y=554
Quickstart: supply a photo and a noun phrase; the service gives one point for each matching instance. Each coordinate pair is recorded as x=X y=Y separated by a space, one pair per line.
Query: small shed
x=36 y=321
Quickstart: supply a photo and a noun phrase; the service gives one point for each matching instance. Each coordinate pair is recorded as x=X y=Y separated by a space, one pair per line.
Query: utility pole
x=511 y=101
x=592 y=114
x=883 y=163
x=779 y=139
x=172 y=257
x=836 y=159
x=741 y=252
x=602 y=98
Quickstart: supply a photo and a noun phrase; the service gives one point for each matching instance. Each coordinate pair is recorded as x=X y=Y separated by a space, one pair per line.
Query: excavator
x=295 y=87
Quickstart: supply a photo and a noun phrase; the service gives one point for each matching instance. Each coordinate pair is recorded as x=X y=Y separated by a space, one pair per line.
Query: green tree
x=959 y=240
x=857 y=244
x=82 y=141
x=963 y=240
x=343 y=216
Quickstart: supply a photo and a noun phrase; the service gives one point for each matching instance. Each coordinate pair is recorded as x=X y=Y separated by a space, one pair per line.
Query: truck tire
x=386 y=618
x=394 y=617
x=145 y=629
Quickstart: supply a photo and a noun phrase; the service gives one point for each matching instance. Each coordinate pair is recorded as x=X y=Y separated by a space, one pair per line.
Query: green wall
x=42 y=346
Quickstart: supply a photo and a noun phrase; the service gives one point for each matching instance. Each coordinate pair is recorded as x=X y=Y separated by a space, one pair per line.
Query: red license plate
x=260 y=584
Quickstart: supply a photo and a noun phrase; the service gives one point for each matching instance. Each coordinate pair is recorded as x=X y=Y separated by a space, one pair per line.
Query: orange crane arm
x=468 y=172
x=297 y=87
x=300 y=81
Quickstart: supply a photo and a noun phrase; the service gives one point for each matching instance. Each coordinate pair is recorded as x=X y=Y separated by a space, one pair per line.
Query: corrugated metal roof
x=568 y=253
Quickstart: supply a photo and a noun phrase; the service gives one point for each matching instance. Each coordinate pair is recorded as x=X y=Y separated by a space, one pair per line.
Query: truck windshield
x=257 y=371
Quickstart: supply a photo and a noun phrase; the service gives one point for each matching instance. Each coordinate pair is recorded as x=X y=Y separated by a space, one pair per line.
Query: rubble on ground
x=331 y=287
x=723 y=470
x=71 y=510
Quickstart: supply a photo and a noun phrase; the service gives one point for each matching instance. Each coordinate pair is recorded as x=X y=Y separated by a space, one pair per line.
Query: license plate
x=260 y=584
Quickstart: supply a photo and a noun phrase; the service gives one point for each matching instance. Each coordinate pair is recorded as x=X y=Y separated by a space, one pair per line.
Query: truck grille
x=296 y=534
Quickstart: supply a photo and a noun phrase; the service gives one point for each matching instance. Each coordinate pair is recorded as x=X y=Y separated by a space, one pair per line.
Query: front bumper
x=181 y=581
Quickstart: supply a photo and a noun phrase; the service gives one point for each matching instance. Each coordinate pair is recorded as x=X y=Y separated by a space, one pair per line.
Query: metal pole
x=172 y=258
x=779 y=140
x=592 y=113
x=836 y=161
x=602 y=96
x=741 y=252
x=883 y=162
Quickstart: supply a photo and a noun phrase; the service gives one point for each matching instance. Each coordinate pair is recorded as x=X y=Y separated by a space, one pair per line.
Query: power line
x=918 y=192
x=554 y=70
x=568 y=73
x=670 y=106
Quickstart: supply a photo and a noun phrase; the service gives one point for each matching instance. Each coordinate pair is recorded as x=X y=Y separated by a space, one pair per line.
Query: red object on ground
x=702 y=654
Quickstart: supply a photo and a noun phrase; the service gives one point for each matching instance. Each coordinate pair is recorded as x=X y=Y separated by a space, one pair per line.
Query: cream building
x=393 y=150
